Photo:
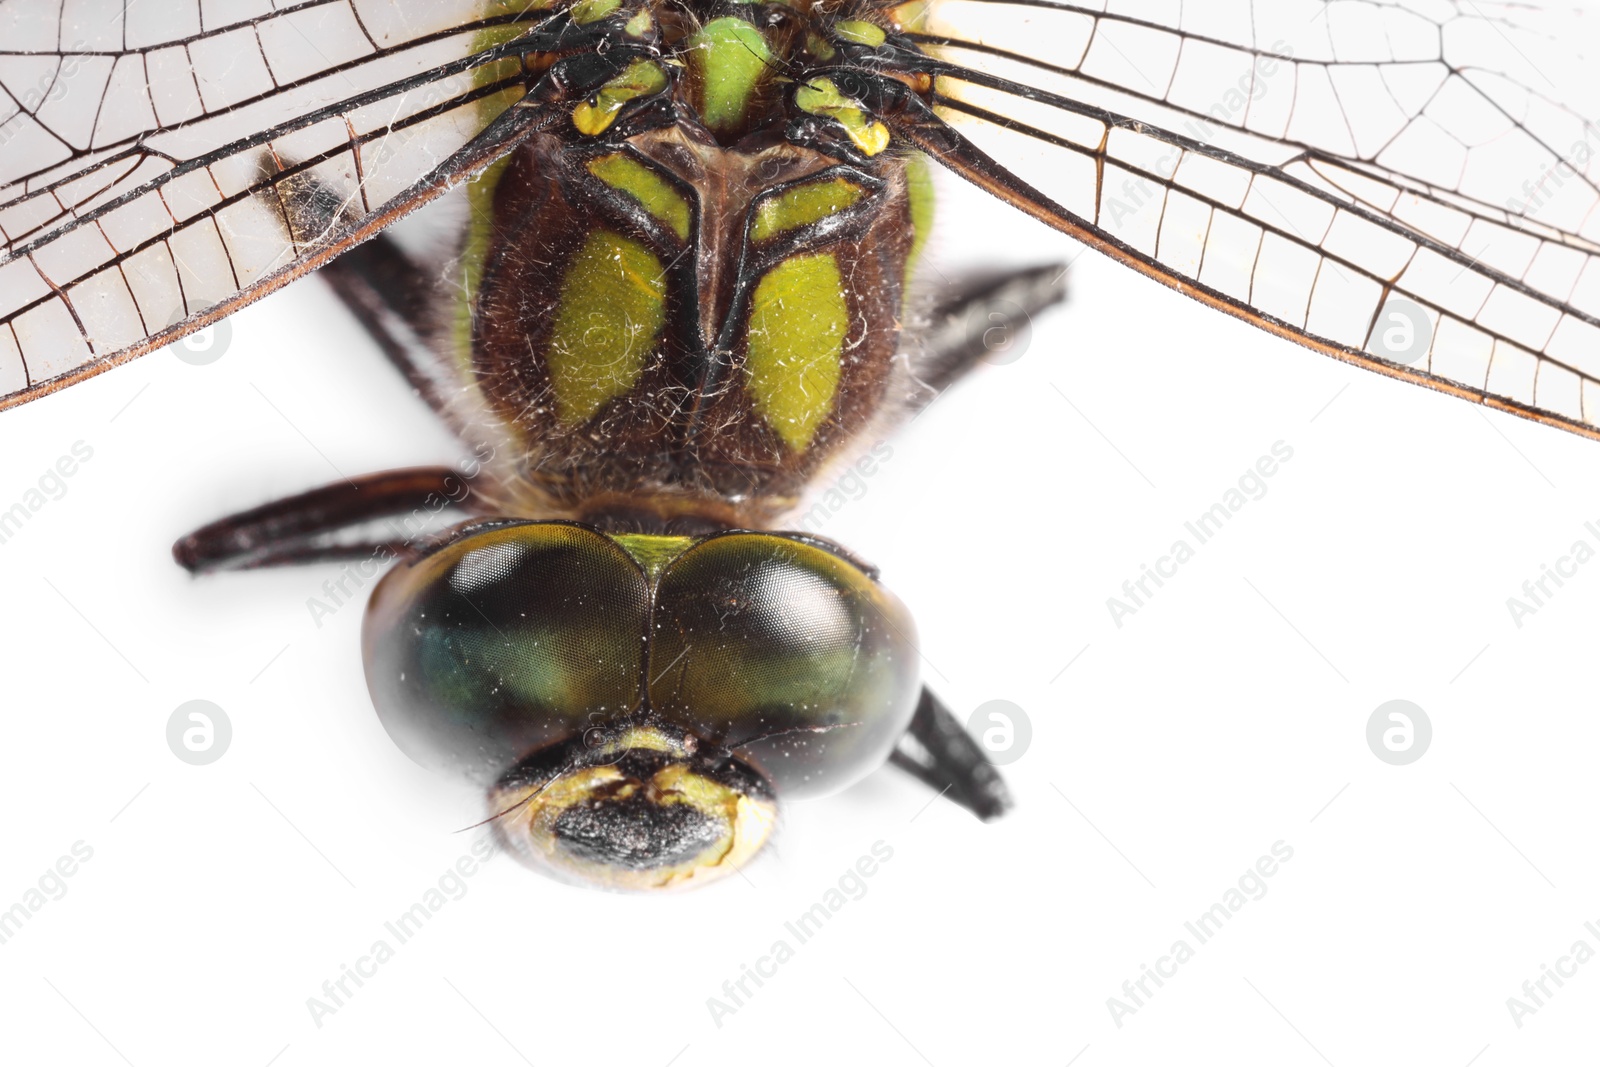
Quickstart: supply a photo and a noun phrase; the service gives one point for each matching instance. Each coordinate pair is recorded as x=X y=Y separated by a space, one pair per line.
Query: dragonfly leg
x=380 y=514
x=388 y=294
x=939 y=751
x=383 y=287
x=981 y=323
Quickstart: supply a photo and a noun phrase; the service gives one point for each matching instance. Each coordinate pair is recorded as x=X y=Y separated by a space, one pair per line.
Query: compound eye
x=762 y=636
x=504 y=641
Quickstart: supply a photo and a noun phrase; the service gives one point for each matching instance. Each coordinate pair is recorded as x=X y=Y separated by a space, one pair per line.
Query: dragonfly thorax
x=687 y=297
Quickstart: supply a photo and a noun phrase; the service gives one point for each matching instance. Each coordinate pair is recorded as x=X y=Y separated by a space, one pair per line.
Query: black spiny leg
x=325 y=524
x=390 y=296
x=971 y=325
x=938 y=750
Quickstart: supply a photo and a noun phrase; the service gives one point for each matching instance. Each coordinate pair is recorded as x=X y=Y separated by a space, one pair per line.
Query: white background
x=1227 y=715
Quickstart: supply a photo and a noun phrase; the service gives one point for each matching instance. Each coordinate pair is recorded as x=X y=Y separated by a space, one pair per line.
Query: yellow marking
x=683 y=786
x=587 y=11
x=568 y=789
x=641 y=78
x=648 y=737
x=912 y=17
x=749 y=821
x=821 y=97
x=856 y=31
x=646 y=185
x=803 y=206
x=613 y=305
x=652 y=552
x=798 y=320
x=640 y=24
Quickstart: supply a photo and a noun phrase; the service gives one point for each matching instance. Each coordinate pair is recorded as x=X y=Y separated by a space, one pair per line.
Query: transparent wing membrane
x=161 y=163
x=1409 y=186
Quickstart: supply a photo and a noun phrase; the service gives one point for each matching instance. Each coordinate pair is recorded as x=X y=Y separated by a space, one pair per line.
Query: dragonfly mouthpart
x=638 y=808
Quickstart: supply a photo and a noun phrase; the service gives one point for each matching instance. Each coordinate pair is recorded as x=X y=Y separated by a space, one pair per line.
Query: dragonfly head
x=636 y=704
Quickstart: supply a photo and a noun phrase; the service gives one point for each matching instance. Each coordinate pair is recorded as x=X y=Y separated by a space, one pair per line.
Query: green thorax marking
x=731 y=60
x=653 y=192
x=919 y=187
x=611 y=308
x=613 y=305
x=802 y=206
x=480 y=189
x=798 y=319
x=586 y=11
x=857 y=31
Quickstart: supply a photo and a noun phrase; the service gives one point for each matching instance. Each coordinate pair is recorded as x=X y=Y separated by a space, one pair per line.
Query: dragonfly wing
x=1416 y=194
x=161 y=166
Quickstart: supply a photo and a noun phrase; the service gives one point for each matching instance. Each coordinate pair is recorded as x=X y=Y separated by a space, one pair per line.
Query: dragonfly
x=680 y=281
